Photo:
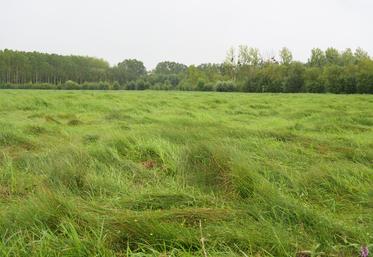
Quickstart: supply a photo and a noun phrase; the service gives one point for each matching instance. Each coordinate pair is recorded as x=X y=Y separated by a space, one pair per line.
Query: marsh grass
x=150 y=173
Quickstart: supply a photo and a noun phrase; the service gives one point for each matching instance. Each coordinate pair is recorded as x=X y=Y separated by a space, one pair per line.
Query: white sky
x=187 y=31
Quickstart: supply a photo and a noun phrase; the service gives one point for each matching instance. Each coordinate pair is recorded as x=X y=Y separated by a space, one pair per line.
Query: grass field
x=151 y=173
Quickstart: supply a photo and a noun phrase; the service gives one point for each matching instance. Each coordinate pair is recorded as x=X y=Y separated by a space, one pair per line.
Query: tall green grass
x=151 y=173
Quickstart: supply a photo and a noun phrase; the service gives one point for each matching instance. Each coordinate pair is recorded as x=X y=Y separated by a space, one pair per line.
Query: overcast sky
x=187 y=31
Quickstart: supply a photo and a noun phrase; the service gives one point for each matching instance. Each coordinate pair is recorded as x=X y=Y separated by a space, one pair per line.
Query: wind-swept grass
x=151 y=173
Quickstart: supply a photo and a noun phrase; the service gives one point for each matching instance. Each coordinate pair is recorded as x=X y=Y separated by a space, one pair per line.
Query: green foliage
x=247 y=56
x=332 y=77
x=70 y=85
x=365 y=77
x=286 y=57
x=169 y=68
x=329 y=71
x=317 y=58
x=314 y=82
x=225 y=86
x=293 y=81
x=332 y=56
x=128 y=70
x=266 y=79
x=116 y=85
x=348 y=57
x=139 y=84
x=31 y=67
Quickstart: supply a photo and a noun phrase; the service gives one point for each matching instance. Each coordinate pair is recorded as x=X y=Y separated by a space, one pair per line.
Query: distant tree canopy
x=169 y=68
x=244 y=69
x=24 y=67
x=128 y=70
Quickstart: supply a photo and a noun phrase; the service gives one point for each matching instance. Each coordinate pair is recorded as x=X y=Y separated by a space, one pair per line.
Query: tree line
x=245 y=69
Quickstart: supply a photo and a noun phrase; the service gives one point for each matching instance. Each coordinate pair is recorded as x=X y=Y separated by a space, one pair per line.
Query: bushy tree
x=255 y=57
x=271 y=79
x=361 y=55
x=230 y=63
x=170 y=68
x=317 y=58
x=293 y=81
x=348 y=79
x=348 y=57
x=286 y=57
x=332 y=56
x=332 y=77
x=313 y=81
x=364 y=77
x=129 y=70
x=253 y=82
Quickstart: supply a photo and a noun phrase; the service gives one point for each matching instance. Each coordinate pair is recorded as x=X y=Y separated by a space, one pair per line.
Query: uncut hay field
x=185 y=174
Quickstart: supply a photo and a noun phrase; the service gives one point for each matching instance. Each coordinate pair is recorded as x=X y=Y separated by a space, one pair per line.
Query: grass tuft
x=184 y=174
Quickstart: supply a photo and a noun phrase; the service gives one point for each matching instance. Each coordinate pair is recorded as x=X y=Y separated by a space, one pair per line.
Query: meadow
x=119 y=173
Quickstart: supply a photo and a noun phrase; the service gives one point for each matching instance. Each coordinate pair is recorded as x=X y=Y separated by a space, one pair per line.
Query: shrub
x=116 y=86
x=90 y=86
x=225 y=86
x=103 y=85
x=141 y=84
x=131 y=85
x=70 y=85
x=209 y=87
